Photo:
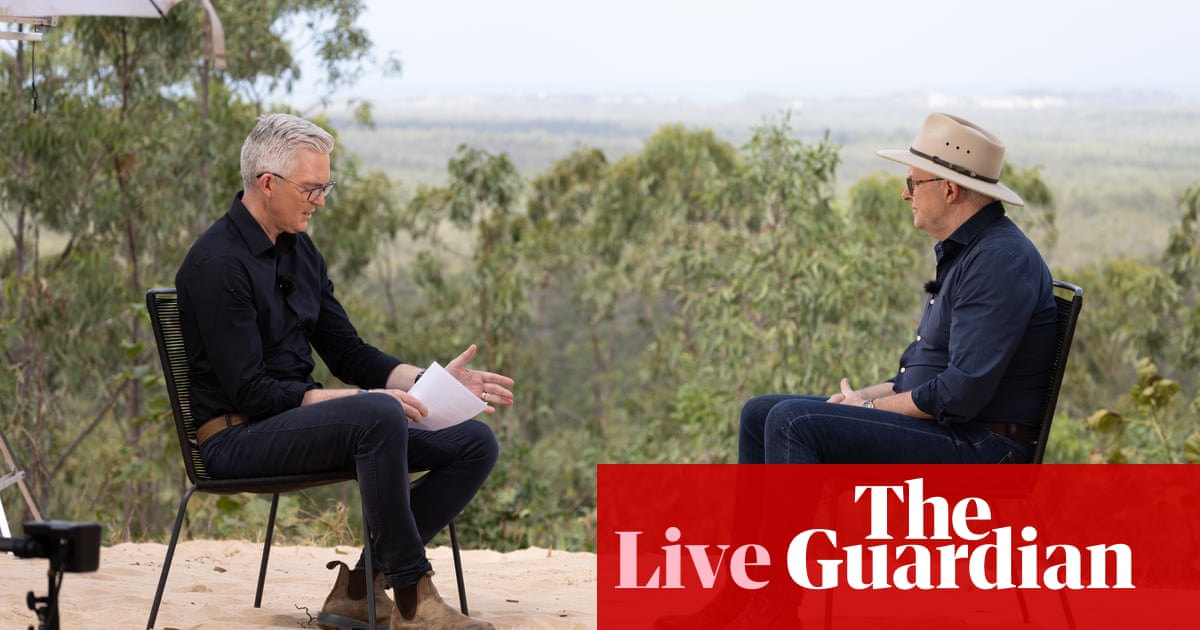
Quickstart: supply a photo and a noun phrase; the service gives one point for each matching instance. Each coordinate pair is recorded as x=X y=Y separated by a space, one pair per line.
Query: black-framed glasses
x=313 y=192
x=913 y=183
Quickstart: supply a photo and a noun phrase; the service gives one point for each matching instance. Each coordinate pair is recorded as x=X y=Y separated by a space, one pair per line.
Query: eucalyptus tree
x=466 y=275
x=131 y=151
x=1159 y=418
x=571 y=302
x=1183 y=261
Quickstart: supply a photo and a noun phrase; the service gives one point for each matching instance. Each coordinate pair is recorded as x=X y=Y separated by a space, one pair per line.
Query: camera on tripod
x=70 y=547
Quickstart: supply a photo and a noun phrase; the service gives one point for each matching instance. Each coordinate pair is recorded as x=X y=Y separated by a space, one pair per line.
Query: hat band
x=954 y=167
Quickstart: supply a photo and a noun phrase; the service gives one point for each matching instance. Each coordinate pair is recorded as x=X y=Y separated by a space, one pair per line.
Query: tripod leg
x=46 y=607
x=19 y=480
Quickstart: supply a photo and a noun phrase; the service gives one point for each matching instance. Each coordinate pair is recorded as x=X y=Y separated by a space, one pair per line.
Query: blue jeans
x=795 y=429
x=369 y=435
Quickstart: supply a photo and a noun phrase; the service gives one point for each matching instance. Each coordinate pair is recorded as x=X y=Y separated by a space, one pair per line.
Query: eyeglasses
x=314 y=193
x=912 y=184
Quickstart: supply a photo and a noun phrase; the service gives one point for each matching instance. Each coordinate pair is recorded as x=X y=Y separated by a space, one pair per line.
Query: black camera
x=70 y=547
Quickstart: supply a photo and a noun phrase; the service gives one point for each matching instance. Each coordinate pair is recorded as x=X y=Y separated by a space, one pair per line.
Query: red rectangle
x=1054 y=546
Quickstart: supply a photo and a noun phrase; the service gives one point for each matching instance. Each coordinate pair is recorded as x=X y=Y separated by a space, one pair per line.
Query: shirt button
x=931 y=300
x=902 y=370
x=918 y=337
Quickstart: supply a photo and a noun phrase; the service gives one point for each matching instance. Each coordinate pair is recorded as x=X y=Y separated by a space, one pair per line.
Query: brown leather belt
x=217 y=425
x=1015 y=430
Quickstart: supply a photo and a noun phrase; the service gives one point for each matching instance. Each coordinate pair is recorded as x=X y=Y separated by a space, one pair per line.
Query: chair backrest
x=168 y=334
x=1068 y=314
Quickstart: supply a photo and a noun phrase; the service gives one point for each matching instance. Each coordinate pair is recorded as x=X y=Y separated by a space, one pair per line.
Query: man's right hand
x=413 y=408
x=847 y=396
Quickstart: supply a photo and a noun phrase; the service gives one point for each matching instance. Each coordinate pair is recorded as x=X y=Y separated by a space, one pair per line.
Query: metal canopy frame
x=38 y=24
x=24 y=8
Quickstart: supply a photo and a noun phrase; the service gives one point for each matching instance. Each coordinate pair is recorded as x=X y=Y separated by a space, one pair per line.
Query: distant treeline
x=1118 y=163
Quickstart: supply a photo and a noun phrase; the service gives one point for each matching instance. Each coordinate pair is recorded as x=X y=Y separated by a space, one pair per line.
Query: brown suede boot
x=419 y=607
x=346 y=606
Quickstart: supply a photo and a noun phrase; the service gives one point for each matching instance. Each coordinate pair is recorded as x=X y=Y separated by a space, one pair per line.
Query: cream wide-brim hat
x=959 y=151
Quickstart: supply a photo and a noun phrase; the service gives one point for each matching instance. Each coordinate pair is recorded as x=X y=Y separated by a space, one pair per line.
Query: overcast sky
x=722 y=50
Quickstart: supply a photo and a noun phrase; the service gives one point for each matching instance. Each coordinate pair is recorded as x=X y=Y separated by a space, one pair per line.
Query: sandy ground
x=211 y=585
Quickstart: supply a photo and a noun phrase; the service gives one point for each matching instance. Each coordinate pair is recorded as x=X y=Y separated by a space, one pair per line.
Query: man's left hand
x=491 y=387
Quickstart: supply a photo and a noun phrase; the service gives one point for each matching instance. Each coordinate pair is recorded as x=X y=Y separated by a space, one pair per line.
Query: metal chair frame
x=168 y=335
x=1068 y=316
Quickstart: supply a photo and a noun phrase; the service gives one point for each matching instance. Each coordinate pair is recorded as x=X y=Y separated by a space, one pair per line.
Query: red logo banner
x=1050 y=546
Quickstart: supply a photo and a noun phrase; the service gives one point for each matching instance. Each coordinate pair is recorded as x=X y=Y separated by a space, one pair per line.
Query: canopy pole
x=218 y=34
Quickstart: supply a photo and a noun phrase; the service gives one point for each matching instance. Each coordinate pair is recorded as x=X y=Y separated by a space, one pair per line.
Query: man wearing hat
x=970 y=386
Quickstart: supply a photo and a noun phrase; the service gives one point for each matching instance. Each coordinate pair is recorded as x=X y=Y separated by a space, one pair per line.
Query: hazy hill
x=1117 y=161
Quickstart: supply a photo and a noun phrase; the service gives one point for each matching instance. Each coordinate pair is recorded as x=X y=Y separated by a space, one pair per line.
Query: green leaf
x=1191 y=448
x=1105 y=421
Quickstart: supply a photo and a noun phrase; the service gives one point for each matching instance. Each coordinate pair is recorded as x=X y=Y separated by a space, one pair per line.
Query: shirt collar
x=976 y=224
x=253 y=233
x=947 y=250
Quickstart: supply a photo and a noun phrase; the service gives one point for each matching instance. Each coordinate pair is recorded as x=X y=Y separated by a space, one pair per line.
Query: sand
x=211 y=585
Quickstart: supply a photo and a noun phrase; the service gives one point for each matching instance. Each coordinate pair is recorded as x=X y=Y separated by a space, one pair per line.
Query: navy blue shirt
x=986 y=340
x=251 y=314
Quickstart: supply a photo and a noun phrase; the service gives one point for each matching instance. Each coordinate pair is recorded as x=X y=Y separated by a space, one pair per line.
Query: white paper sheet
x=449 y=402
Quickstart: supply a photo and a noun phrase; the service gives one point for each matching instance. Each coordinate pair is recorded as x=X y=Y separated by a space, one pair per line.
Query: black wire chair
x=164 y=317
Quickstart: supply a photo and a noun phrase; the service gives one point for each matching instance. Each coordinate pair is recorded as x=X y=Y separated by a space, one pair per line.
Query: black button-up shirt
x=986 y=340
x=252 y=312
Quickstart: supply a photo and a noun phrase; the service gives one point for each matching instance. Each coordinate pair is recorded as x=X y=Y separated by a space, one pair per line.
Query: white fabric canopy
x=55 y=8
x=33 y=12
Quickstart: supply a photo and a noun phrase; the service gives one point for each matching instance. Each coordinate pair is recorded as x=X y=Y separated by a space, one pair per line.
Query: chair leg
x=1024 y=607
x=162 y=578
x=368 y=550
x=458 y=571
x=1062 y=594
x=262 y=570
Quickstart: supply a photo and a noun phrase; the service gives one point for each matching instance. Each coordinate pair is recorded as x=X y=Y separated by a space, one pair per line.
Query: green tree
x=1154 y=428
x=1182 y=261
x=480 y=201
x=1139 y=324
x=572 y=305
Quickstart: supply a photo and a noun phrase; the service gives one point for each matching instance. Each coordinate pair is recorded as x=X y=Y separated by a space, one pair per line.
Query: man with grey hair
x=255 y=300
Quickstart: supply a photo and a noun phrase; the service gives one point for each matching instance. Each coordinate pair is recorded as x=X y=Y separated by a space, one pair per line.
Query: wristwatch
x=869 y=404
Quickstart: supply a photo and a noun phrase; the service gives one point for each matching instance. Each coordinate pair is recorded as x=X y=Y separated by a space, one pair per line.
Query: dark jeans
x=369 y=434
x=794 y=429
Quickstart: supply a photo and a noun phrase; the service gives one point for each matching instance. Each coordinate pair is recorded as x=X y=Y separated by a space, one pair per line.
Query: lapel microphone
x=932 y=287
x=286 y=284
